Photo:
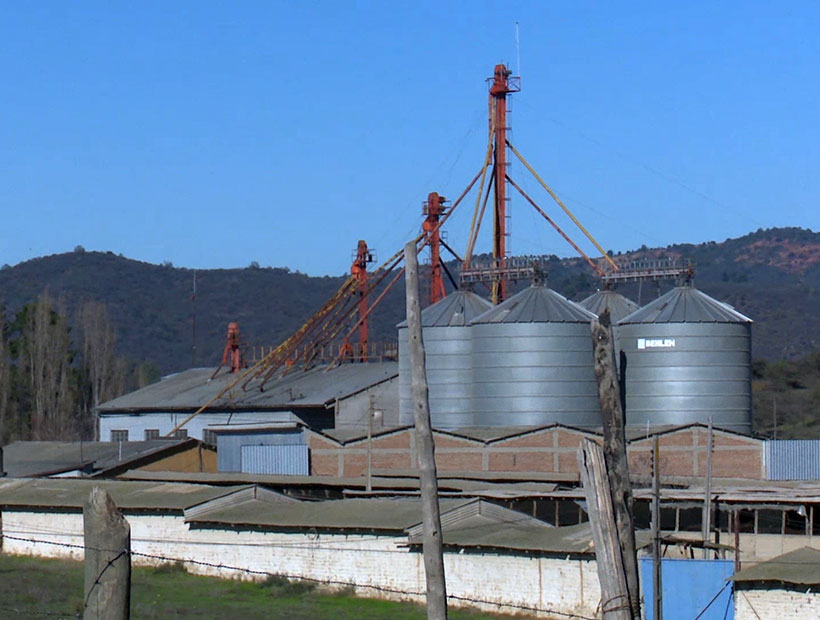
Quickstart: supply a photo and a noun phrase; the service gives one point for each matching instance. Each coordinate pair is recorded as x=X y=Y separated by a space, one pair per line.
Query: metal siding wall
x=137 y=423
x=534 y=373
x=689 y=586
x=448 y=359
x=229 y=445
x=290 y=460
x=706 y=375
x=792 y=459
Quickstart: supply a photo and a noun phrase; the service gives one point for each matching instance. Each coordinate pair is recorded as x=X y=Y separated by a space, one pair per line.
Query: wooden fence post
x=614 y=593
x=615 y=456
x=107 y=559
x=431 y=544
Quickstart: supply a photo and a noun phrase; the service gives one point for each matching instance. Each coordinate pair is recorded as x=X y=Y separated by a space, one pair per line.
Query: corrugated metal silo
x=532 y=362
x=448 y=356
x=688 y=359
x=618 y=305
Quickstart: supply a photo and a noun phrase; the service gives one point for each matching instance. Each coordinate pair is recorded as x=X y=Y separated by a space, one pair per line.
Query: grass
x=37 y=587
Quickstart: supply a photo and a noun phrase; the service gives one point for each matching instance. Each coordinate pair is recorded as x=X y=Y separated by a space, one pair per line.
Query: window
x=151 y=433
x=181 y=433
x=209 y=437
x=119 y=436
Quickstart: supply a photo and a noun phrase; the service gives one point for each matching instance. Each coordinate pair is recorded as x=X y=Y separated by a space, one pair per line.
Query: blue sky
x=213 y=134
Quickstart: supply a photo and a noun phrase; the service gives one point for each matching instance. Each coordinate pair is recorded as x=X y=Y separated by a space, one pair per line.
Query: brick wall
x=546 y=450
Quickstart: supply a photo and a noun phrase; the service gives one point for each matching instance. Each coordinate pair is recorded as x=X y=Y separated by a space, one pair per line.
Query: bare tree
x=6 y=422
x=98 y=344
x=46 y=362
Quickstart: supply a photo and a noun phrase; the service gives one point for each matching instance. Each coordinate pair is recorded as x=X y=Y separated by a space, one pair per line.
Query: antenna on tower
x=517 y=50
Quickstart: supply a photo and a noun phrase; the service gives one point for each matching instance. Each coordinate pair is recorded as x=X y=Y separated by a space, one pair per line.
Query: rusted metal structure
x=500 y=87
x=359 y=272
x=433 y=210
x=346 y=313
x=232 y=353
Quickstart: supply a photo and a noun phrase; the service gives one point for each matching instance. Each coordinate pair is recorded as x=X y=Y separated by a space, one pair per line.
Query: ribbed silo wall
x=689 y=372
x=528 y=374
x=448 y=359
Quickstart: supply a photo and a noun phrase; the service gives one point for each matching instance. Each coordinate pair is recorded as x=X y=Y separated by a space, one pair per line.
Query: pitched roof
x=801 y=567
x=618 y=305
x=127 y=495
x=685 y=304
x=455 y=310
x=191 y=389
x=24 y=459
x=536 y=304
x=346 y=514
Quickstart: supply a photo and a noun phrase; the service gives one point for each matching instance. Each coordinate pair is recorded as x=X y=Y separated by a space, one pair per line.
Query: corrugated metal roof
x=455 y=310
x=536 y=304
x=801 y=566
x=685 y=304
x=191 y=389
x=23 y=459
x=348 y=514
x=127 y=495
x=618 y=305
x=792 y=459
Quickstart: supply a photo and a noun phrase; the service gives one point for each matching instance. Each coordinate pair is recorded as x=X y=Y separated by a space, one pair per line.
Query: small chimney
x=2 y=468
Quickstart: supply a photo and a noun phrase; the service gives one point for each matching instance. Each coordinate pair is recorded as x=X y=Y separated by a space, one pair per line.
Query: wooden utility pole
x=107 y=559
x=617 y=466
x=608 y=558
x=706 y=520
x=431 y=544
x=657 y=573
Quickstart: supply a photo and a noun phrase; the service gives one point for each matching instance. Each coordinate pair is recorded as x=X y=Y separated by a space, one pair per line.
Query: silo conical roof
x=536 y=304
x=455 y=310
x=618 y=305
x=685 y=304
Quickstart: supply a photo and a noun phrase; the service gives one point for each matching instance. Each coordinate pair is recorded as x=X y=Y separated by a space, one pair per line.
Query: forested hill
x=773 y=276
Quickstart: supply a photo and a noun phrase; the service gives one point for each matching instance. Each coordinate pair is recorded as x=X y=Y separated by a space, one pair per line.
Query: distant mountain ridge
x=773 y=276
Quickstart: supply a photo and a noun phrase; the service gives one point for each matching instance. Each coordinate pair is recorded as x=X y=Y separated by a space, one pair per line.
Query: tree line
x=56 y=368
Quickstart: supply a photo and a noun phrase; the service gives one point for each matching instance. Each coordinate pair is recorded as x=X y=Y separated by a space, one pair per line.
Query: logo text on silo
x=656 y=343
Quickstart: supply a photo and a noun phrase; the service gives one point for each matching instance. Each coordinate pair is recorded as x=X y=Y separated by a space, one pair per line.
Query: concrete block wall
x=782 y=602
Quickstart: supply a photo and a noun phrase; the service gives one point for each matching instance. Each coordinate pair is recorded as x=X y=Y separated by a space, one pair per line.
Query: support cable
x=592 y=263
x=563 y=206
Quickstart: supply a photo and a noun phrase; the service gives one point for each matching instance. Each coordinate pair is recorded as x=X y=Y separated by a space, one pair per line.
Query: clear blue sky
x=213 y=134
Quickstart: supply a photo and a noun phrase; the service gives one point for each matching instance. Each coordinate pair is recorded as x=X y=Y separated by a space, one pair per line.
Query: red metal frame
x=359 y=271
x=433 y=210
x=498 y=105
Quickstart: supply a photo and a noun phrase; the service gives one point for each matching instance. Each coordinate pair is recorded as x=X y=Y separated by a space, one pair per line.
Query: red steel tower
x=359 y=271
x=500 y=86
x=433 y=210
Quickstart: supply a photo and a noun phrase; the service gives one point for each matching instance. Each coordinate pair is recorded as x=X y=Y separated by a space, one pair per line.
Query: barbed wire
x=315 y=580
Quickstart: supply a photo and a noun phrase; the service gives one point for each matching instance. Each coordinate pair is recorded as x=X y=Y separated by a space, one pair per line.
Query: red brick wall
x=551 y=450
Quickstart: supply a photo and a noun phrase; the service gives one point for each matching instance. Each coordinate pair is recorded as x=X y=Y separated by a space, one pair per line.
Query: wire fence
x=220 y=566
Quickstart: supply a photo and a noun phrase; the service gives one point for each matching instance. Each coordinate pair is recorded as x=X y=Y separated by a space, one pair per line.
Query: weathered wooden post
x=107 y=559
x=608 y=559
x=431 y=543
x=657 y=566
x=617 y=466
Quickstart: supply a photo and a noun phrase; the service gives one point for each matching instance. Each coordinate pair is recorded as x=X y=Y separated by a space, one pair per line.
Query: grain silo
x=618 y=305
x=448 y=357
x=688 y=359
x=532 y=362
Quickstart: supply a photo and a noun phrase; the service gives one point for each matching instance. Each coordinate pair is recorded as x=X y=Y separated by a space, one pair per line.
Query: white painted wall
x=136 y=424
x=754 y=604
x=369 y=561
